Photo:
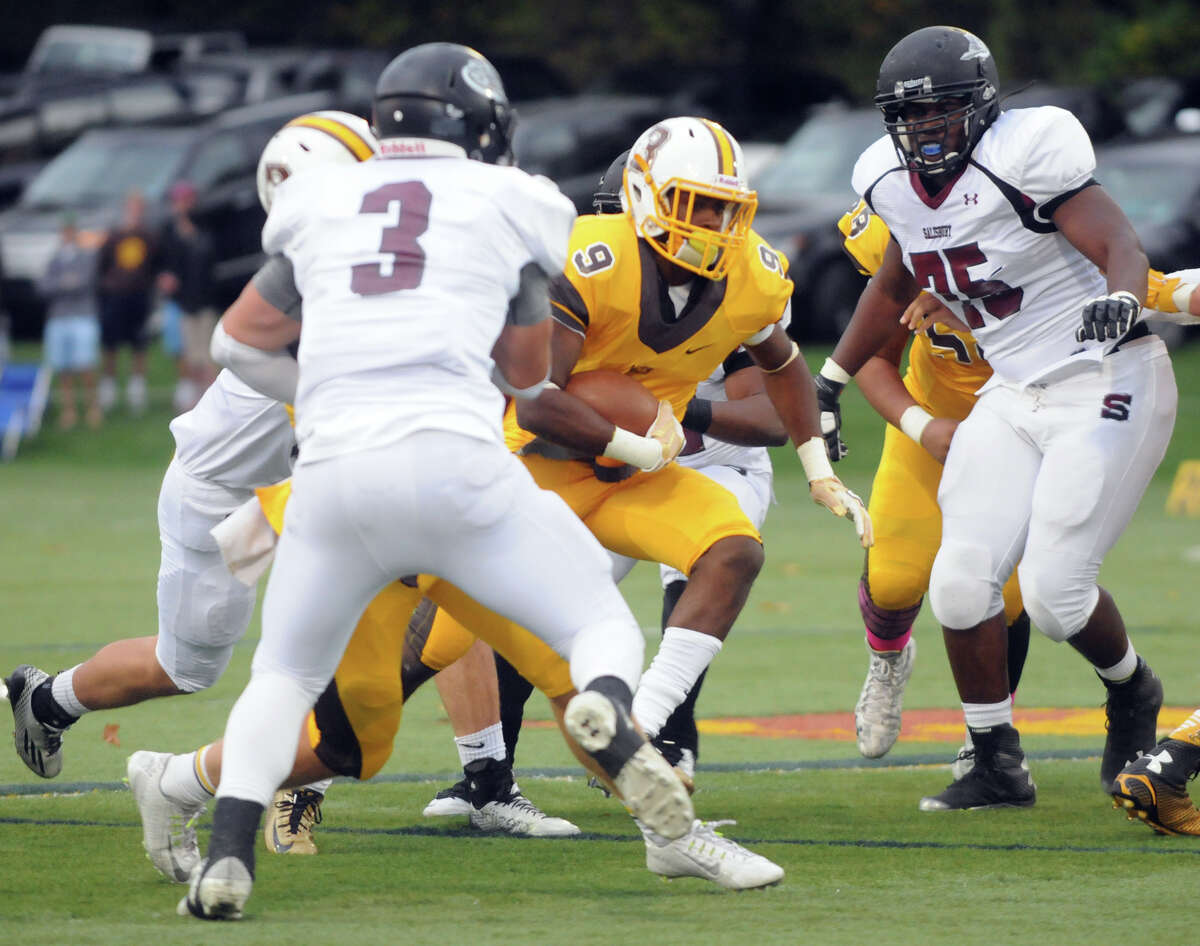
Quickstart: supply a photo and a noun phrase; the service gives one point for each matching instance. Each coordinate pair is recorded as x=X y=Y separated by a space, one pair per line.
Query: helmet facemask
x=925 y=143
x=668 y=221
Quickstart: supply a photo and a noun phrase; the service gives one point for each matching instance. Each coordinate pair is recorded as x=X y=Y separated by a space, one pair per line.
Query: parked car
x=1157 y=184
x=77 y=48
x=572 y=141
x=801 y=195
x=91 y=178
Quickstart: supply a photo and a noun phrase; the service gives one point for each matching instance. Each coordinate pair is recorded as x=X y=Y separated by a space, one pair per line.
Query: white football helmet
x=316 y=138
x=671 y=167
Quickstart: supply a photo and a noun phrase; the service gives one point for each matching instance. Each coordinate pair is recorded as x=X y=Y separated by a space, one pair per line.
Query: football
x=616 y=397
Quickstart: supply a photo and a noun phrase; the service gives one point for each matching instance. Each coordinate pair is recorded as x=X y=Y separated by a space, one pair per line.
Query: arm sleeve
x=276 y=283
x=531 y=304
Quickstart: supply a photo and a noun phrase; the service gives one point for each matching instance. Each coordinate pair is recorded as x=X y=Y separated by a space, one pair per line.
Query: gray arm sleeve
x=531 y=304
x=276 y=283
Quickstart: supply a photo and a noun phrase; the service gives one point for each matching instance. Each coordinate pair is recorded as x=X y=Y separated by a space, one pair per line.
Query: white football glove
x=832 y=493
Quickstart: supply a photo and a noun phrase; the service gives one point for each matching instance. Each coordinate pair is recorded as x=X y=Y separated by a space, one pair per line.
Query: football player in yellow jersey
x=664 y=293
x=945 y=369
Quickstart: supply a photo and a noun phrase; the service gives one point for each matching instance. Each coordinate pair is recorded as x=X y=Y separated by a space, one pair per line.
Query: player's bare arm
x=748 y=418
x=879 y=308
x=927 y=310
x=881 y=384
x=564 y=419
x=1099 y=229
x=253 y=321
x=522 y=357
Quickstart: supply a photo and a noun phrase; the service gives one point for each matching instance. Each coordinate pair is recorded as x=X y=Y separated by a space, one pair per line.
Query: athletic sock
x=683 y=655
x=982 y=716
x=54 y=702
x=883 y=645
x=1122 y=670
x=485 y=744
x=186 y=781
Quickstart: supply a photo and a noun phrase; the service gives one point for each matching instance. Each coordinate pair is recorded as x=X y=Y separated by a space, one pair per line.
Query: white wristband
x=1182 y=297
x=643 y=452
x=814 y=457
x=835 y=372
x=914 y=420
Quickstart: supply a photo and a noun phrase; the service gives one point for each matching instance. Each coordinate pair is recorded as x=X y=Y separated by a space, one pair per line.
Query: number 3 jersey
x=986 y=244
x=406 y=266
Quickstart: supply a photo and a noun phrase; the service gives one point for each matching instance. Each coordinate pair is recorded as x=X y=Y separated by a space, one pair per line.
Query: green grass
x=78 y=559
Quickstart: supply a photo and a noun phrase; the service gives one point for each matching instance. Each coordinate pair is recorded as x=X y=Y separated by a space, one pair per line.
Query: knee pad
x=963 y=590
x=1058 y=606
x=884 y=622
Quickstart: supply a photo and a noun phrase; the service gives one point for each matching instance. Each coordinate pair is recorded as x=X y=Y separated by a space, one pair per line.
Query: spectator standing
x=187 y=281
x=127 y=267
x=71 y=342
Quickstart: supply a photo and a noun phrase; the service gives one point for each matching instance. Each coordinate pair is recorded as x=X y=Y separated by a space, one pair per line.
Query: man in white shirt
x=421 y=272
x=999 y=215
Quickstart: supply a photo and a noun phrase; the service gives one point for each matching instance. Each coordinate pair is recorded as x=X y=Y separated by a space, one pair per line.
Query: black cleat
x=998 y=779
x=1132 y=721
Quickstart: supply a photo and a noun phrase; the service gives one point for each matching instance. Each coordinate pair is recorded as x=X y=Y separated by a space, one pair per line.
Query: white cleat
x=648 y=785
x=518 y=815
x=38 y=745
x=168 y=828
x=877 y=713
x=218 y=892
x=705 y=852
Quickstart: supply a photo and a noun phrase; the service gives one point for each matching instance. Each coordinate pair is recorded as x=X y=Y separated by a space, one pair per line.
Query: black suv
x=91 y=178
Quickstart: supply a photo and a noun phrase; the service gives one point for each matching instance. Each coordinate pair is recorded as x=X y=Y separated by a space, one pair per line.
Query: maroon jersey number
x=399 y=241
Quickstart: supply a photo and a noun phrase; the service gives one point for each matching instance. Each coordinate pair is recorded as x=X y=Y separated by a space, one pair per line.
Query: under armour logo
x=970 y=199
x=1155 y=762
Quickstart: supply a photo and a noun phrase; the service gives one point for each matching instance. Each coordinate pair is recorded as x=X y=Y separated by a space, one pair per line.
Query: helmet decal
x=975 y=48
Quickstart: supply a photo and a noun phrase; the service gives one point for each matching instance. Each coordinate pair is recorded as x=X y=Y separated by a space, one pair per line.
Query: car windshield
x=818 y=158
x=99 y=170
x=1149 y=193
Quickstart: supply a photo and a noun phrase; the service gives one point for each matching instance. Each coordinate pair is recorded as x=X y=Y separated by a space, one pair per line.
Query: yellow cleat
x=288 y=829
x=1150 y=789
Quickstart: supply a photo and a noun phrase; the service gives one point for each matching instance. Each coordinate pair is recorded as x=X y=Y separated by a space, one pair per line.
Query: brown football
x=616 y=397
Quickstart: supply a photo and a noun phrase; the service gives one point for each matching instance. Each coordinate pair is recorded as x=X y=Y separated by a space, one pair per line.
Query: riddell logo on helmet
x=402 y=146
x=729 y=181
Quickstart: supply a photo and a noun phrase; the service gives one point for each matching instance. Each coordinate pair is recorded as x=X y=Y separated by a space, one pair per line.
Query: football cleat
x=289 y=829
x=1132 y=721
x=1153 y=788
x=455 y=800
x=38 y=745
x=877 y=713
x=647 y=783
x=168 y=828
x=518 y=815
x=999 y=777
x=218 y=891
x=705 y=852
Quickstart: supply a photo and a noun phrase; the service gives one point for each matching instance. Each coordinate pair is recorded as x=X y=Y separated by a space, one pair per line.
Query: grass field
x=78 y=559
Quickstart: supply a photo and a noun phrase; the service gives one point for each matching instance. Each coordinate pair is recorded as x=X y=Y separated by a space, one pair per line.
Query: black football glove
x=828 y=392
x=1109 y=317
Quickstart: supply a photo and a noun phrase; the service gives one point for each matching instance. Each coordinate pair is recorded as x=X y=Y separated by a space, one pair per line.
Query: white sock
x=257 y=757
x=63 y=691
x=681 y=658
x=486 y=744
x=186 y=779
x=1119 y=672
x=987 y=715
x=320 y=787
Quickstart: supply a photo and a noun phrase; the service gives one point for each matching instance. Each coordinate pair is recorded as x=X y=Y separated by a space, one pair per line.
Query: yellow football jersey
x=611 y=292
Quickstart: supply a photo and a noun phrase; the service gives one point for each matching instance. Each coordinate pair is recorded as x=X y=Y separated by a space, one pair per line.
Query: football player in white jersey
x=410 y=267
x=999 y=215
x=234 y=440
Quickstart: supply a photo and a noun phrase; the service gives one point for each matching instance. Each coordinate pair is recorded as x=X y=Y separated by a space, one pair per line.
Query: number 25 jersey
x=406 y=267
x=986 y=244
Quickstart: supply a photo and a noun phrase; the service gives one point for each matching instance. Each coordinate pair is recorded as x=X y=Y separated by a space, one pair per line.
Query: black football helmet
x=449 y=92
x=607 y=199
x=938 y=64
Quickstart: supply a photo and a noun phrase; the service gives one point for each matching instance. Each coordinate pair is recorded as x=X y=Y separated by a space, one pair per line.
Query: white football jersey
x=234 y=436
x=987 y=246
x=406 y=266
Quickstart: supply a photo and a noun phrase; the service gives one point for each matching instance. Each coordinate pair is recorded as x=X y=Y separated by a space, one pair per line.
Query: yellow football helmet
x=676 y=167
